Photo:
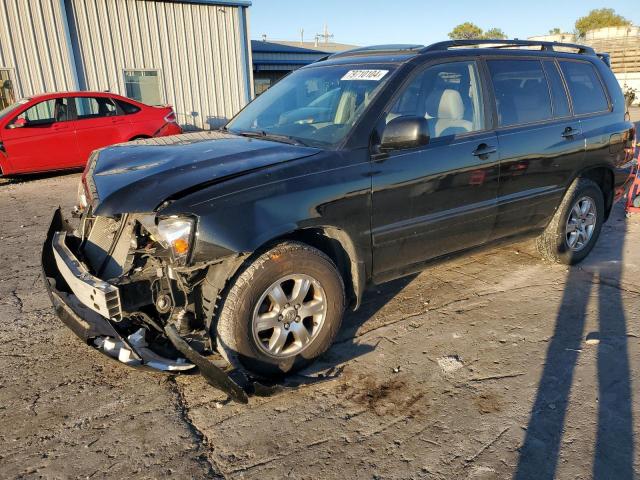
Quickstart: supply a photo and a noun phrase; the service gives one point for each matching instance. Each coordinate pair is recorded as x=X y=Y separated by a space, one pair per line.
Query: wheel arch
x=4 y=163
x=139 y=137
x=340 y=248
x=604 y=177
x=332 y=241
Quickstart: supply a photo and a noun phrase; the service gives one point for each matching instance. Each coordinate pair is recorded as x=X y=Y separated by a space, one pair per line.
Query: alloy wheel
x=289 y=315
x=581 y=223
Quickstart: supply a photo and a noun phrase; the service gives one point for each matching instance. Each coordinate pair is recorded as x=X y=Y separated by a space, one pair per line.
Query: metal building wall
x=198 y=48
x=34 y=45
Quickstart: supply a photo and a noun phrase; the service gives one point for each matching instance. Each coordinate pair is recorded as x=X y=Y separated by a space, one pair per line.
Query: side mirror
x=19 y=123
x=405 y=132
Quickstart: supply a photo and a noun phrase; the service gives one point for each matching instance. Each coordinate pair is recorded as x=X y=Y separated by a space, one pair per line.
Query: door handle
x=483 y=150
x=570 y=132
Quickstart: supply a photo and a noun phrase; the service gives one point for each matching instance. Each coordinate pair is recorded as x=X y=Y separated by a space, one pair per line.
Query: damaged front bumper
x=91 y=308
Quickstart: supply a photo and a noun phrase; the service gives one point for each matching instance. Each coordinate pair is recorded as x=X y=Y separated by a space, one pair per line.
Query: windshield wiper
x=271 y=136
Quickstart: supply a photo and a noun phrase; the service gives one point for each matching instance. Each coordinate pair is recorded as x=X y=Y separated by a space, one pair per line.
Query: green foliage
x=466 y=31
x=600 y=18
x=630 y=94
x=470 y=31
x=494 y=33
x=555 y=31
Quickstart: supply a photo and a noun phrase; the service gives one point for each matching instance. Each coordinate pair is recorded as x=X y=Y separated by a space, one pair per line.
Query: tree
x=466 y=31
x=494 y=33
x=600 y=18
x=555 y=31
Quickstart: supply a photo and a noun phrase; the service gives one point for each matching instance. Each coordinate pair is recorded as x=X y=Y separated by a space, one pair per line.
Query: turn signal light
x=180 y=246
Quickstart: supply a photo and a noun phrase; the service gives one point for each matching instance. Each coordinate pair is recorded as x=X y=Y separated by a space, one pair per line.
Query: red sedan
x=59 y=130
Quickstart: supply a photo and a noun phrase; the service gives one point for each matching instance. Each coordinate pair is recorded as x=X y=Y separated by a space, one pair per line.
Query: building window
x=7 y=94
x=143 y=86
x=261 y=84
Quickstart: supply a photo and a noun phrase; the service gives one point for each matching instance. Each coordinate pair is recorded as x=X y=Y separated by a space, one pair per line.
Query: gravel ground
x=487 y=366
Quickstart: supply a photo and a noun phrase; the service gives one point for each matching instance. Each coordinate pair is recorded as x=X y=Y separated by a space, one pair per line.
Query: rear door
x=541 y=143
x=436 y=199
x=99 y=122
x=45 y=141
x=603 y=131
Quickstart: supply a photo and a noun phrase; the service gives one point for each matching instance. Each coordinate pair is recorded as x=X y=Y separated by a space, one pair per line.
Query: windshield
x=315 y=106
x=7 y=110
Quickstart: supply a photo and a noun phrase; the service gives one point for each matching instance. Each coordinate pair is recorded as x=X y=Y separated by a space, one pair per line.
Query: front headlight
x=82 y=197
x=176 y=234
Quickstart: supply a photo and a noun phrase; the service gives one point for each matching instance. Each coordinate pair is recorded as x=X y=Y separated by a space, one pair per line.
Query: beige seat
x=346 y=108
x=450 y=118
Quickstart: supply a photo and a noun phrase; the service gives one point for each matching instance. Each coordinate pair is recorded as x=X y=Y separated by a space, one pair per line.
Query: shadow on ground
x=12 y=180
x=613 y=454
x=346 y=347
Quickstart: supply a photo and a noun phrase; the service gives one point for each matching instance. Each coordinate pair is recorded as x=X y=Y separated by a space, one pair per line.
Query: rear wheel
x=282 y=312
x=575 y=227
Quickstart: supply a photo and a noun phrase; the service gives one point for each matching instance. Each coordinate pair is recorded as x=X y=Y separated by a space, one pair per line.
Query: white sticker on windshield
x=375 y=75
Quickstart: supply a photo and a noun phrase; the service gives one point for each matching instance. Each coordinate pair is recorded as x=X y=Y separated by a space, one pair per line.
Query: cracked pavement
x=490 y=365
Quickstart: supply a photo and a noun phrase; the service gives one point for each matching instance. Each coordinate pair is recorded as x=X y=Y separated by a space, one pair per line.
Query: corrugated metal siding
x=196 y=48
x=33 y=44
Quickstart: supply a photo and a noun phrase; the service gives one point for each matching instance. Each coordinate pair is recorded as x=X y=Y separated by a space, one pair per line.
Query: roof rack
x=390 y=48
x=549 y=46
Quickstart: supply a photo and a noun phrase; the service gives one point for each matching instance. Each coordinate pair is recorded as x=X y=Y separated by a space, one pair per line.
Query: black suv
x=355 y=170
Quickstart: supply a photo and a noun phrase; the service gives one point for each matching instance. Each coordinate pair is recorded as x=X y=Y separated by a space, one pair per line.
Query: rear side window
x=127 y=107
x=522 y=92
x=558 y=92
x=584 y=85
x=94 y=107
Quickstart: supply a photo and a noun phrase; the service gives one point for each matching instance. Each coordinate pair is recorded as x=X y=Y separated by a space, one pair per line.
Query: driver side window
x=448 y=95
x=47 y=112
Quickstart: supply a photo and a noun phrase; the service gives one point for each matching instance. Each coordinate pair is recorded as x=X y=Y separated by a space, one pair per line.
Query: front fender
x=329 y=192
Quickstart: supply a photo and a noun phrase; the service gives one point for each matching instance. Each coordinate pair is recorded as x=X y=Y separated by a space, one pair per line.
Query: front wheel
x=575 y=227
x=282 y=311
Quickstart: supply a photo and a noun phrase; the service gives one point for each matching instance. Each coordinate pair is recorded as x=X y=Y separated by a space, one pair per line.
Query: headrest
x=451 y=106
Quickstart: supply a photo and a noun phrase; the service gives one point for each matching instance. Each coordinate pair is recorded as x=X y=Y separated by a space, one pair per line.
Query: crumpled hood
x=138 y=176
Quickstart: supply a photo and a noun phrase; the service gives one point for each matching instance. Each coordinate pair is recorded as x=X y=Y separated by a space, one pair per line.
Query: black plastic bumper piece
x=215 y=376
x=84 y=322
x=87 y=324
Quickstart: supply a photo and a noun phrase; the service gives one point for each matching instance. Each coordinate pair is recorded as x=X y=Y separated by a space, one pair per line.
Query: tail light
x=171 y=117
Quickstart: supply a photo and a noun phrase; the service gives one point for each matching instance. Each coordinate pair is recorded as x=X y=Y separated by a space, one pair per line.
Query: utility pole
x=326 y=36
x=301 y=36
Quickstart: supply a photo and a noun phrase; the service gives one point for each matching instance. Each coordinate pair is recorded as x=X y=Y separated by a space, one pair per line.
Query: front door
x=42 y=137
x=440 y=198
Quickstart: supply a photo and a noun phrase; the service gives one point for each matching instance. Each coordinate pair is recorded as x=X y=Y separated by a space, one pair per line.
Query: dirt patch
x=381 y=397
x=488 y=403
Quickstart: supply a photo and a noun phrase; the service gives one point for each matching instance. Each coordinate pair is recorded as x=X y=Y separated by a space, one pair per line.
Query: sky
x=370 y=22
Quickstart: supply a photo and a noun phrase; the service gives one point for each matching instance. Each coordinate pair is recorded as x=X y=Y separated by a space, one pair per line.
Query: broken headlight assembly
x=176 y=235
x=82 y=197
x=81 y=201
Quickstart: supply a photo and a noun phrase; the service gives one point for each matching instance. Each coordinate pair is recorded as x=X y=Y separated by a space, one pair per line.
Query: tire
x=553 y=244
x=290 y=265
